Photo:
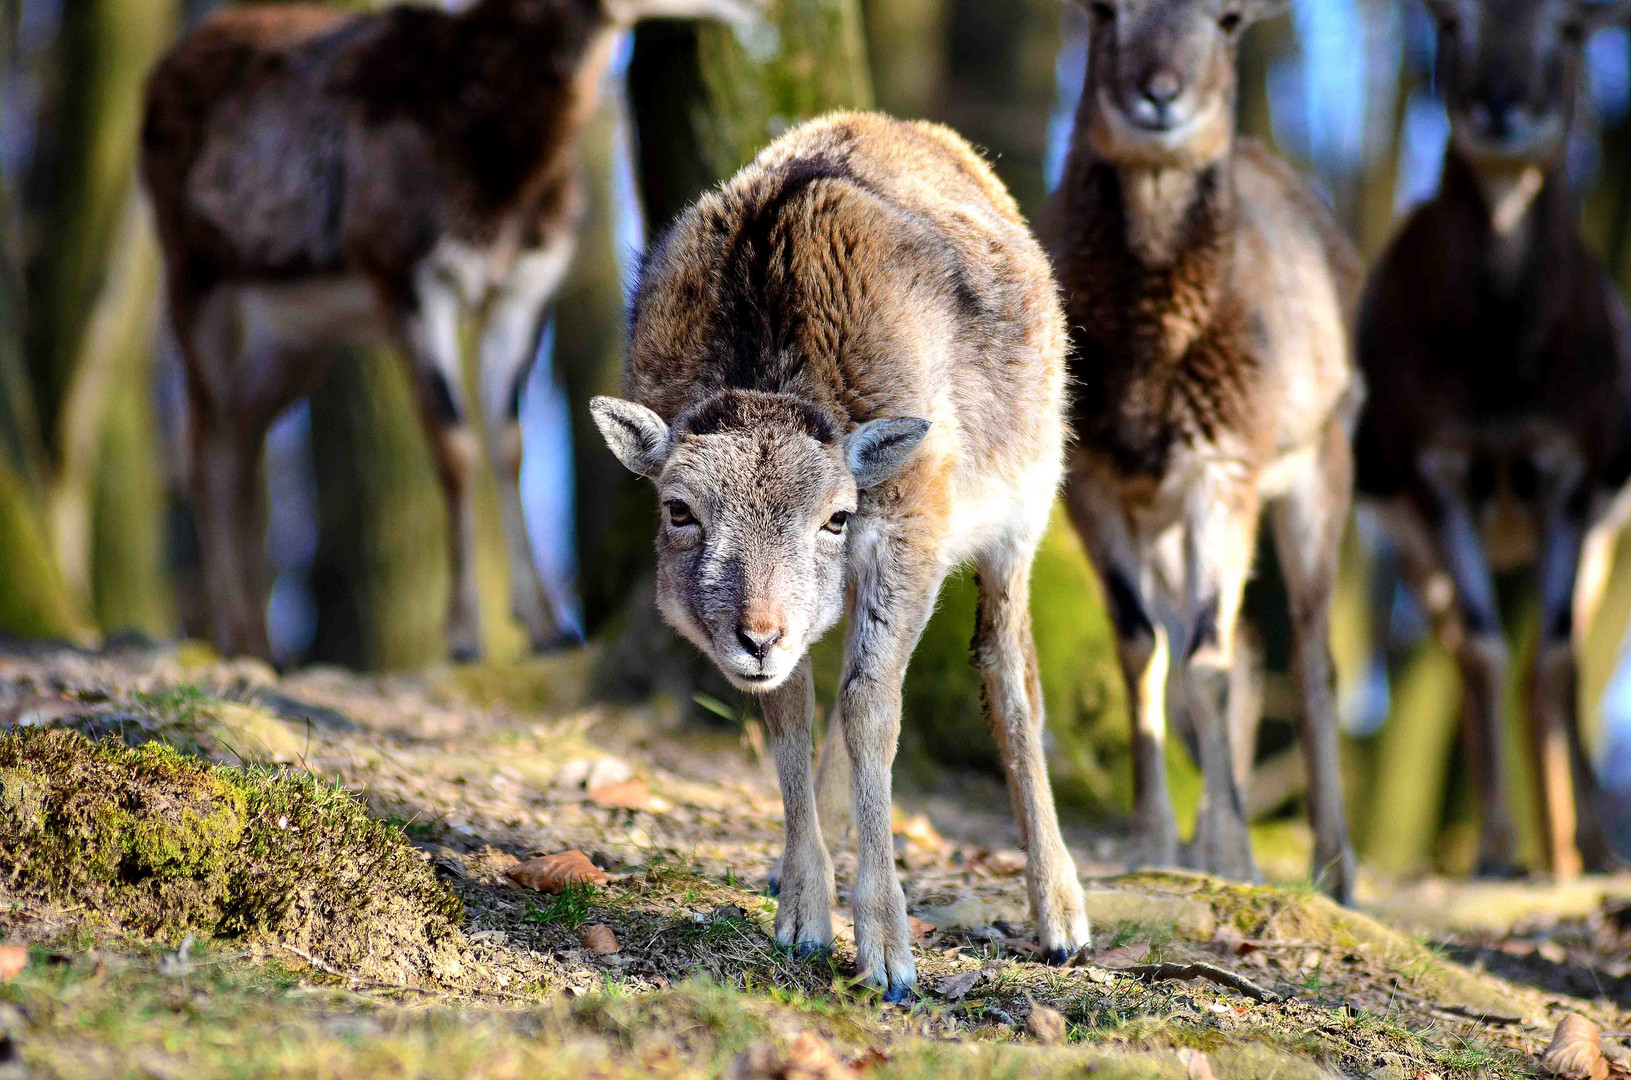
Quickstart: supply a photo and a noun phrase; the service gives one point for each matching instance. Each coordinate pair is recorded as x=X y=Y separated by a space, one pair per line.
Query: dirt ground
x=485 y=767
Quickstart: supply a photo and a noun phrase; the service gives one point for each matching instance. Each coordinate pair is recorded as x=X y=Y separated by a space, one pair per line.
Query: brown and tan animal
x=320 y=176
x=1208 y=295
x=1500 y=371
x=847 y=379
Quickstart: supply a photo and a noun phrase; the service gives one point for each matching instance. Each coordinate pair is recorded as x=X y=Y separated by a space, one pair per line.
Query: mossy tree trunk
x=90 y=282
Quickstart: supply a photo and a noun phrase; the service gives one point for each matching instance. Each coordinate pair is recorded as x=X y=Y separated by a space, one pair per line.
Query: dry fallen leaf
x=956 y=987
x=599 y=939
x=919 y=830
x=1576 y=1051
x=1004 y=863
x=1047 y=1026
x=13 y=959
x=553 y=873
x=1200 y=1068
x=805 y=1057
x=920 y=929
x=629 y=795
x=1123 y=956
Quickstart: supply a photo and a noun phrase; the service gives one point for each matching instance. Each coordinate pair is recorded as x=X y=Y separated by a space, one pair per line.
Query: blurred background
x=97 y=542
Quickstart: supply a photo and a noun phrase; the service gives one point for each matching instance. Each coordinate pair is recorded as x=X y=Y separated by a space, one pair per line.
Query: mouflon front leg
x=895 y=580
x=803 y=912
x=1219 y=538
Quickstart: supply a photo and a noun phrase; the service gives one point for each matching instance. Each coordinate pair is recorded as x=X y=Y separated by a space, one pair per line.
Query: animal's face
x=1510 y=72
x=756 y=498
x=1161 y=78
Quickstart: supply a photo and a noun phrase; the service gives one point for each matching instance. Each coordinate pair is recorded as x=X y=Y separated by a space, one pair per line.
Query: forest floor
x=478 y=770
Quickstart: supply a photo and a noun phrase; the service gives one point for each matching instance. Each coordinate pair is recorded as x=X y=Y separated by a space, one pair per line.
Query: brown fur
x=1500 y=375
x=320 y=176
x=864 y=284
x=1208 y=295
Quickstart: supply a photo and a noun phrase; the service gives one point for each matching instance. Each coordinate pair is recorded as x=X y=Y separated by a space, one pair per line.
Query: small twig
x=1210 y=972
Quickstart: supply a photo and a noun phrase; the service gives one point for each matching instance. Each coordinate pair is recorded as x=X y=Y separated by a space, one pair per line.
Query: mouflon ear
x=634 y=433
x=878 y=448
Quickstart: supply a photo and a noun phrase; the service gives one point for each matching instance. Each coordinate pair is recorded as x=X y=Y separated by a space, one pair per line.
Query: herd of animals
x=854 y=368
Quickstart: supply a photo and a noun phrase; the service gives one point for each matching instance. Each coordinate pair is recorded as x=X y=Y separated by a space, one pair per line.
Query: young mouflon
x=1209 y=296
x=1499 y=362
x=319 y=175
x=846 y=378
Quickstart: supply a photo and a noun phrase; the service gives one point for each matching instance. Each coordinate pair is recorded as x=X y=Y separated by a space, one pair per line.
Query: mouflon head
x=1160 y=88
x=758 y=494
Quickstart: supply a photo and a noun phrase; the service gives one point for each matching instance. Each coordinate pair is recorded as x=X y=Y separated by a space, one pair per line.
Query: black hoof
x=773 y=887
x=899 y=993
x=809 y=950
x=1056 y=957
x=464 y=654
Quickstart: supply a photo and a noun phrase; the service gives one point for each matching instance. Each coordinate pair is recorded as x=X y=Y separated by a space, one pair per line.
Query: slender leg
x=834 y=805
x=1141 y=646
x=894 y=586
x=1482 y=654
x=225 y=457
x=1308 y=523
x=509 y=342
x=803 y=914
x=1005 y=654
x=428 y=325
x=1219 y=537
x=1567 y=815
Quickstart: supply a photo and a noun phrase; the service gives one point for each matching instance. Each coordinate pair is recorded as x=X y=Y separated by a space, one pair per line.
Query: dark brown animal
x=848 y=379
x=1208 y=295
x=320 y=176
x=1497 y=357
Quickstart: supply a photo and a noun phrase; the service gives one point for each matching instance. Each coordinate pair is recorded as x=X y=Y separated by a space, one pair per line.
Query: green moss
x=159 y=843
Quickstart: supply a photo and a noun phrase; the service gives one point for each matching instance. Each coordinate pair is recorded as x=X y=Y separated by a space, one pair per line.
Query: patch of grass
x=570 y=909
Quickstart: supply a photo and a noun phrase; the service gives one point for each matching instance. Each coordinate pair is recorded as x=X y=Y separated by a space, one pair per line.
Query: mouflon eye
x=835 y=524
x=679 y=515
x=1103 y=12
x=1574 y=32
x=1230 y=21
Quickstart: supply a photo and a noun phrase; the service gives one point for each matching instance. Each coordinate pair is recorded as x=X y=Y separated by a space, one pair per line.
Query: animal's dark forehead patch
x=747 y=410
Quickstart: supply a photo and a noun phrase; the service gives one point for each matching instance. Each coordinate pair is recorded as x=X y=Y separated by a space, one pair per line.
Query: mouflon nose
x=1161 y=86
x=757 y=639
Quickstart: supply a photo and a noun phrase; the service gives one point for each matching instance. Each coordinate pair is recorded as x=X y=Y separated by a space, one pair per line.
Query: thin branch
x=1210 y=972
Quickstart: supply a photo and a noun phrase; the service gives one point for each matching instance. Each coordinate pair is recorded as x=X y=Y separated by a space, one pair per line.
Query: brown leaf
x=599 y=939
x=805 y=1057
x=1123 y=956
x=553 y=873
x=919 y=830
x=919 y=928
x=1047 y=1026
x=956 y=987
x=1200 y=1068
x=13 y=959
x=629 y=795
x=1004 y=863
x=1576 y=1051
